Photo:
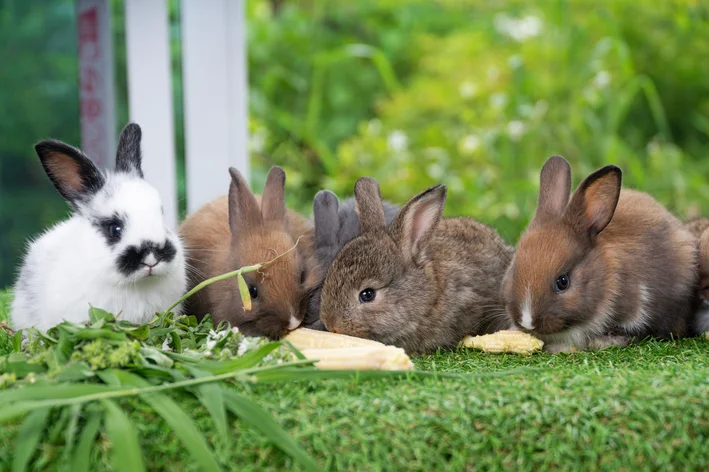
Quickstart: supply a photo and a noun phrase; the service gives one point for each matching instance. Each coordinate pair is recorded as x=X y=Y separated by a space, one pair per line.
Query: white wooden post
x=97 y=91
x=150 y=95
x=215 y=96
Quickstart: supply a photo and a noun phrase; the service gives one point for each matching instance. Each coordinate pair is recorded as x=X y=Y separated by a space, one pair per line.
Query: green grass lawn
x=641 y=407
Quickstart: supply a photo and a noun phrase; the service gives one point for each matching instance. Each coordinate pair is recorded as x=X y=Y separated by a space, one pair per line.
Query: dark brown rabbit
x=600 y=267
x=235 y=231
x=420 y=283
x=336 y=224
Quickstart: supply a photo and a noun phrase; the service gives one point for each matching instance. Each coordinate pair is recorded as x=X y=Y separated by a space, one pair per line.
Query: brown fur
x=435 y=280
x=66 y=170
x=700 y=228
x=697 y=226
x=630 y=262
x=260 y=233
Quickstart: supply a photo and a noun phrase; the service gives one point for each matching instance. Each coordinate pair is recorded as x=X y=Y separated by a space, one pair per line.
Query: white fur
x=579 y=336
x=701 y=321
x=71 y=266
x=526 y=310
x=641 y=320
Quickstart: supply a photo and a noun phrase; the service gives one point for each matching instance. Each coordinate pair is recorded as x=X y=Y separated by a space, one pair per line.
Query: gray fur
x=437 y=280
x=336 y=224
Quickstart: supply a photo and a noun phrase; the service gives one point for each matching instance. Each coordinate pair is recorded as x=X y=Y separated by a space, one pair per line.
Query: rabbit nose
x=151 y=260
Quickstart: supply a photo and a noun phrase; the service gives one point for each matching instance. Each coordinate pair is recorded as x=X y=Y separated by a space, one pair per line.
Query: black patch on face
x=107 y=227
x=131 y=259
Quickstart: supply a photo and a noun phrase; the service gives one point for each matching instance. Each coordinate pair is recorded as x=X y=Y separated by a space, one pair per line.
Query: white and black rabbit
x=336 y=224
x=114 y=252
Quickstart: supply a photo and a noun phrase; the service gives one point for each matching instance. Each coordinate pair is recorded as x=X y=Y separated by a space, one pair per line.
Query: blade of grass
x=246 y=361
x=20 y=408
x=82 y=455
x=125 y=450
x=210 y=396
x=56 y=392
x=28 y=438
x=70 y=433
x=258 y=418
x=178 y=420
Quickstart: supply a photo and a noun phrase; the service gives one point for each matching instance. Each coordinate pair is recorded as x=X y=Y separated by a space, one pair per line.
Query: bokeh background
x=474 y=94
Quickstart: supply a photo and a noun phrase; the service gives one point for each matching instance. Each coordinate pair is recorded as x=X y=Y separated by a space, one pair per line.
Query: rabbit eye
x=253 y=292
x=367 y=295
x=115 y=231
x=562 y=283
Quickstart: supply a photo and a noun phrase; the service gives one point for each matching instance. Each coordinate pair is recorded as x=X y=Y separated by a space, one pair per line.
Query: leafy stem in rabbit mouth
x=245 y=297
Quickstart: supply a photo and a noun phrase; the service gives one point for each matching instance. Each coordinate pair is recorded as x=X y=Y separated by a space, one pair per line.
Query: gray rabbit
x=420 y=283
x=336 y=224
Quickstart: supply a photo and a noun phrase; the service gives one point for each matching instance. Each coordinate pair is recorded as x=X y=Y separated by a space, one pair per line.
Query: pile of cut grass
x=640 y=407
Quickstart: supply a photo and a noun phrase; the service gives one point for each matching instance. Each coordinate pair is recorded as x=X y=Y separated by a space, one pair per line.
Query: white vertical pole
x=215 y=96
x=97 y=91
x=150 y=95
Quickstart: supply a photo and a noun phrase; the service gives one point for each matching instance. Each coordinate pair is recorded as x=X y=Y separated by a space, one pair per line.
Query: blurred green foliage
x=472 y=94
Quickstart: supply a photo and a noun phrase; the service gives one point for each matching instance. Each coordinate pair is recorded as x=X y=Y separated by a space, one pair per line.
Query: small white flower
x=602 y=79
x=528 y=27
x=468 y=89
x=518 y=29
x=235 y=330
x=511 y=211
x=540 y=109
x=515 y=130
x=397 y=141
x=515 y=61
x=242 y=348
x=257 y=140
x=469 y=144
x=498 y=100
x=435 y=171
x=374 y=126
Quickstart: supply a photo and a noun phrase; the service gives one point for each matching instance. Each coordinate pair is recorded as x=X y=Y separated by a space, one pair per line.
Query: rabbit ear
x=594 y=202
x=416 y=221
x=129 y=156
x=71 y=171
x=244 y=213
x=554 y=188
x=325 y=207
x=368 y=205
x=273 y=205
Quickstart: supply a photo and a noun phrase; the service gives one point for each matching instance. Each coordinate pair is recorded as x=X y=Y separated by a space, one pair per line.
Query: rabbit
x=335 y=225
x=700 y=229
x=241 y=229
x=422 y=282
x=114 y=252
x=697 y=226
x=600 y=267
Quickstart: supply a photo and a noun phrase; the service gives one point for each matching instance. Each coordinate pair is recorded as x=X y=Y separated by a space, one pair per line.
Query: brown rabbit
x=600 y=267
x=238 y=230
x=420 y=283
x=700 y=228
